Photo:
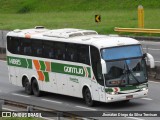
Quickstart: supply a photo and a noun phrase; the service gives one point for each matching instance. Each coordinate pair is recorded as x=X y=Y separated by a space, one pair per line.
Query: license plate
x=129 y=96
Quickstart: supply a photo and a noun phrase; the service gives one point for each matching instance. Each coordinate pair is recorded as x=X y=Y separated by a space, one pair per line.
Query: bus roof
x=71 y=35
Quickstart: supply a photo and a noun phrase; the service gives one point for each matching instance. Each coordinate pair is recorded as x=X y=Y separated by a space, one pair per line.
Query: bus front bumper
x=128 y=96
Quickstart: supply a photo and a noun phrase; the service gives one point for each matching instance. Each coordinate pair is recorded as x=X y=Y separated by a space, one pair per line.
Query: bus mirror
x=104 y=68
x=151 y=60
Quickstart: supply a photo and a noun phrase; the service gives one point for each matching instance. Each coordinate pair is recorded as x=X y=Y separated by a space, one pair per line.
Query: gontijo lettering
x=73 y=70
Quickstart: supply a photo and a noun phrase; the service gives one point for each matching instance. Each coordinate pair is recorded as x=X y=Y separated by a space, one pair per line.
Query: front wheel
x=88 y=98
x=35 y=88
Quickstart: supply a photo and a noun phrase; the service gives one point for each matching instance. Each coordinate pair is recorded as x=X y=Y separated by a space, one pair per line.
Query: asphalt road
x=66 y=103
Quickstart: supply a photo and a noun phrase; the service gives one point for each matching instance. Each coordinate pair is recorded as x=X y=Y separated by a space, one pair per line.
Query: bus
x=79 y=63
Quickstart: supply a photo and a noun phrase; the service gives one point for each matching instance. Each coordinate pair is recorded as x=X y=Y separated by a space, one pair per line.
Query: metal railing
x=137 y=30
x=29 y=108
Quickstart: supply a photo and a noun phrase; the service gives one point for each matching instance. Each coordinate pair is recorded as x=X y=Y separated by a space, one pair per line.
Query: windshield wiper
x=129 y=72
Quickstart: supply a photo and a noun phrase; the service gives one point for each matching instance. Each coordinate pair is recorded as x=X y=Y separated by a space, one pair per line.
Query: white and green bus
x=79 y=63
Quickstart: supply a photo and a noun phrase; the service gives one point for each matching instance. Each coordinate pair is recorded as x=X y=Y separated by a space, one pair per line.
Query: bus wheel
x=35 y=88
x=28 y=88
x=88 y=98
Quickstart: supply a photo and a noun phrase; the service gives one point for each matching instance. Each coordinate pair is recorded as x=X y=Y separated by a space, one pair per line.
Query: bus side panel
x=74 y=85
x=51 y=84
x=12 y=75
x=62 y=83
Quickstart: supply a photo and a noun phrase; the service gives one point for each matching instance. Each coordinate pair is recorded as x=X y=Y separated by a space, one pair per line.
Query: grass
x=17 y=14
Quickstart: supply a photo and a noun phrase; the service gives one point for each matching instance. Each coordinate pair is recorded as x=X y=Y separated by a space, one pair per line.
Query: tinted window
x=60 y=50
x=83 y=54
x=49 y=49
x=25 y=46
x=121 y=52
x=37 y=48
x=71 y=53
x=96 y=65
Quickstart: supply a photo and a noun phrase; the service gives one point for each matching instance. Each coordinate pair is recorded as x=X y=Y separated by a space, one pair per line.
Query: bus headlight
x=112 y=93
x=144 y=89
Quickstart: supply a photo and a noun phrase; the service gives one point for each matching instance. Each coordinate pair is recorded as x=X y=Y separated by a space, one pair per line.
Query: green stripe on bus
x=43 y=67
x=46 y=76
x=29 y=63
x=89 y=72
x=69 y=69
x=55 y=67
x=15 y=61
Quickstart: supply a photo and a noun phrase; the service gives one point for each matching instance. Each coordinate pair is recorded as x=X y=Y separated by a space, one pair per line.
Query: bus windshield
x=122 y=52
x=125 y=66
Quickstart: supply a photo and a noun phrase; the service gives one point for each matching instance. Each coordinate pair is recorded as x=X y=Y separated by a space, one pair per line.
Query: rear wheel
x=35 y=88
x=27 y=86
x=88 y=98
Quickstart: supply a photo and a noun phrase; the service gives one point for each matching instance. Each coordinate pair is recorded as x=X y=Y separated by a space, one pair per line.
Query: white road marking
x=146 y=98
x=151 y=49
x=3 y=61
x=51 y=101
x=154 y=82
x=135 y=118
x=86 y=108
x=20 y=95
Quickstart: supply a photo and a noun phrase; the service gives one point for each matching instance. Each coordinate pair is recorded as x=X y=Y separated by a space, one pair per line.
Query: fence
x=3 y=44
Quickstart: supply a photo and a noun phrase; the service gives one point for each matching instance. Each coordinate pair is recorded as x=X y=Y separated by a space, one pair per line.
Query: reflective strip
x=48 y=66
x=40 y=75
x=36 y=64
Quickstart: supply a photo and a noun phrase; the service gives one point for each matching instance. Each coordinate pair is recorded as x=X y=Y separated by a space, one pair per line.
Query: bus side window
x=71 y=52
x=83 y=54
x=37 y=48
x=96 y=65
x=13 y=45
x=25 y=46
x=60 y=47
x=48 y=50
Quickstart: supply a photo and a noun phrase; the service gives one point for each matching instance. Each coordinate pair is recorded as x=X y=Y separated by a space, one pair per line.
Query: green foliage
x=24 y=6
x=21 y=14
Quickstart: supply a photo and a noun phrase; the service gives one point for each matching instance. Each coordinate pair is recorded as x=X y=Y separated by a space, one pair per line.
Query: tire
x=88 y=98
x=35 y=88
x=28 y=88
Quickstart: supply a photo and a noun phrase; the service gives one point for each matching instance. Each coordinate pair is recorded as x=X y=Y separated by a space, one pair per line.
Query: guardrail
x=46 y=111
x=137 y=30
